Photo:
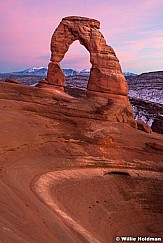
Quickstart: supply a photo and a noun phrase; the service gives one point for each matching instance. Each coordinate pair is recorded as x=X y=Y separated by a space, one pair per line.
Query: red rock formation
x=69 y=175
x=106 y=74
x=107 y=85
x=13 y=81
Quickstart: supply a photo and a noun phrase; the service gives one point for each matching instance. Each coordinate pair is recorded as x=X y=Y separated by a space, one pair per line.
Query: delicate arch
x=105 y=74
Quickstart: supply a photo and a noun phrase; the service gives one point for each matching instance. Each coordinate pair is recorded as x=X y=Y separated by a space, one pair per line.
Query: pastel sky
x=134 y=28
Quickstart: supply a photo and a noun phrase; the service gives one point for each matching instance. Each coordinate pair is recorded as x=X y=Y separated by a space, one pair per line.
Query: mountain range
x=42 y=71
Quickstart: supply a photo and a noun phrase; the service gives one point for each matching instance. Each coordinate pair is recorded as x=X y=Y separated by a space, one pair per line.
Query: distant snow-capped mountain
x=41 y=71
x=128 y=74
x=69 y=72
x=85 y=72
x=35 y=71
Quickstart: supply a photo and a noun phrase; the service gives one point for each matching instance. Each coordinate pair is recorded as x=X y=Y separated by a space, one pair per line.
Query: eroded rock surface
x=106 y=84
x=67 y=174
x=106 y=74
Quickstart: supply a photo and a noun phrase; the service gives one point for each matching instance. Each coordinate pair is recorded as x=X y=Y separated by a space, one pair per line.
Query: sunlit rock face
x=106 y=75
x=107 y=85
x=67 y=174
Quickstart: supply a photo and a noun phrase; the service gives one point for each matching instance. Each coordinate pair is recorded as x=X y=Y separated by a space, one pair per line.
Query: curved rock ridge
x=56 y=188
x=69 y=175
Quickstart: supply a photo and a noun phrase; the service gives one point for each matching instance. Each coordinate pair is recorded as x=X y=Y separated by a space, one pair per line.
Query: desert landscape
x=78 y=169
x=68 y=175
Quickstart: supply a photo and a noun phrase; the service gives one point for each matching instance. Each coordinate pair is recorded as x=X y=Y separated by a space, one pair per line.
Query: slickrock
x=67 y=174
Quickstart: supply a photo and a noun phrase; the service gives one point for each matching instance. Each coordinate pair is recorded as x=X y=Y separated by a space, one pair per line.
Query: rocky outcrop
x=157 y=125
x=106 y=85
x=105 y=75
x=147 y=86
x=143 y=126
x=13 y=81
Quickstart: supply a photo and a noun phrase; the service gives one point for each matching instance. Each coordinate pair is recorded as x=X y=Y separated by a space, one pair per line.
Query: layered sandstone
x=106 y=74
x=106 y=84
x=67 y=174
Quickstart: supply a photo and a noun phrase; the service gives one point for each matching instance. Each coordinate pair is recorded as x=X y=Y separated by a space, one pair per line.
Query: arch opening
x=106 y=81
x=77 y=57
x=76 y=68
x=106 y=76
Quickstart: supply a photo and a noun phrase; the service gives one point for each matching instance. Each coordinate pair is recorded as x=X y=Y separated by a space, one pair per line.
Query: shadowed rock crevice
x=122 y=173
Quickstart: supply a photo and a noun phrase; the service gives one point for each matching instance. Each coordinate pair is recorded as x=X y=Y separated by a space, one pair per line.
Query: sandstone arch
x=107 y=87
x=106 y=76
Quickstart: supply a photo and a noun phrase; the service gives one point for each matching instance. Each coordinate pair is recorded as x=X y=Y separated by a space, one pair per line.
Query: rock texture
x=67 y=174
x=157 y=124
x=106 y=84
x=147 y=86
x=106 y=75
x=13 y=81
